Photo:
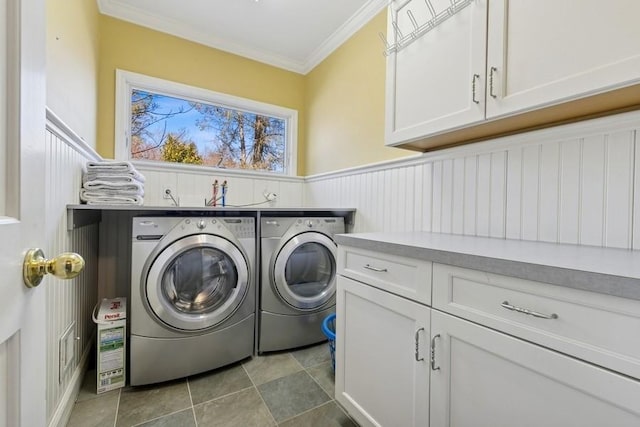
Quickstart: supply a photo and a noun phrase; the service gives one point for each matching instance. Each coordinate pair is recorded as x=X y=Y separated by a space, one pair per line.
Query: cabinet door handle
x=376 y=269
x=491 y=72
x=433 y=353
x=418 y=358
x=473 y=88
x=505 y=304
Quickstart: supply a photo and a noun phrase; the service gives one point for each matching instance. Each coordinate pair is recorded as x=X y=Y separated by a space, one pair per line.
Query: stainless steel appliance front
x=192 y=295
x=297 y=280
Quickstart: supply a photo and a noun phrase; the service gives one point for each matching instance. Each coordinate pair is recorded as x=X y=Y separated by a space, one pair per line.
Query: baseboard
x=63 y=411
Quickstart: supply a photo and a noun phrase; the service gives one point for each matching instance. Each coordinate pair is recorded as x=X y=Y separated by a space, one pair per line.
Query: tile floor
x=289 y=389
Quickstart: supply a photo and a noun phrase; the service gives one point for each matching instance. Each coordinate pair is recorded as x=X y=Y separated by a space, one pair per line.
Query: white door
x=22 y=147
x=482 y=377
x=382 y=356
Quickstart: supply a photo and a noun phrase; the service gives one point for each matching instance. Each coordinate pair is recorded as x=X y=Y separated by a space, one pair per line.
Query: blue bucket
x=329 y=330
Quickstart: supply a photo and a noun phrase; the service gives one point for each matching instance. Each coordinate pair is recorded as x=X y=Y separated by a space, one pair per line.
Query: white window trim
x=126 y=81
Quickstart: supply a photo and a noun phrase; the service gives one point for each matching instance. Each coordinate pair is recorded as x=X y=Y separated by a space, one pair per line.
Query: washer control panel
x=242 y=228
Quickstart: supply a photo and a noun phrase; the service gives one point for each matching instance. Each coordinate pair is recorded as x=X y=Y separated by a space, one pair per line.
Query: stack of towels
x=112 y=183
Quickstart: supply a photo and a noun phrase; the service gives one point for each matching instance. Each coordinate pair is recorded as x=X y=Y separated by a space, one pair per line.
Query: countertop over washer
x=81 y=215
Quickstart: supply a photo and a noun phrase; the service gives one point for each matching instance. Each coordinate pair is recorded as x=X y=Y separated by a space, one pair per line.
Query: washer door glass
x=305 y=270
x=197 y=282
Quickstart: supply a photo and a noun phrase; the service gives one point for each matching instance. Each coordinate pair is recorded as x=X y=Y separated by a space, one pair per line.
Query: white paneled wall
x=576 y=184
x=578 y=190
x=69 y=302
x=191 y=188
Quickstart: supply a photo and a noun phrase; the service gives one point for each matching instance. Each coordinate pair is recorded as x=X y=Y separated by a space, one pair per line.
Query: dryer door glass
x=304 y=271
x=197 y=282
x=309 y=270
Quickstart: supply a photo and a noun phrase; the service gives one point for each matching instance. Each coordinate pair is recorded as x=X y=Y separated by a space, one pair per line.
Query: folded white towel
x=115 y=176
x=114 y=200
x=110 y=166
x=108 y=197
x=133 y=187
x=113 y=168
x=84 y=193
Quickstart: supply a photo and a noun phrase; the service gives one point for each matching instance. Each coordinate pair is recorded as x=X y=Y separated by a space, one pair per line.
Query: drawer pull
x=418 y=358
x=505 y=304
x=433 y=353
x=376 y=269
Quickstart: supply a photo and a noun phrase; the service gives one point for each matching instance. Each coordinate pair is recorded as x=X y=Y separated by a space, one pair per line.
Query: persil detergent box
x=111 y=344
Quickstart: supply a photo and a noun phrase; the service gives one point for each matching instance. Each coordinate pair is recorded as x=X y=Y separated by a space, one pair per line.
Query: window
x=163 y=121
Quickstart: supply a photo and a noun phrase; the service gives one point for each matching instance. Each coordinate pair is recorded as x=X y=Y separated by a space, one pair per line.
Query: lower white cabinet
x=477 y=358
x=382 y=356
x=486 y=378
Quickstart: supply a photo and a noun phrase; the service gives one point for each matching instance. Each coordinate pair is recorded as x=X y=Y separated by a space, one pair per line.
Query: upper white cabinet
x=543 y=52
x=437 y=81
x=500 y=66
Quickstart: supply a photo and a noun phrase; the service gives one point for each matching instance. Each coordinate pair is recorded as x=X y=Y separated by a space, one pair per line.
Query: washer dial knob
x=201 y=224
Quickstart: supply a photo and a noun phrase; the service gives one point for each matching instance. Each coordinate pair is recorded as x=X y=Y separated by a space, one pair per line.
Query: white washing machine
x=297 y=280
x=192 y=295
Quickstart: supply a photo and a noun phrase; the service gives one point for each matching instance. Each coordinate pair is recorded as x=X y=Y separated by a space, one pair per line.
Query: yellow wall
x=72 y=64
x=340 y=102
x=138 y=49
x=345 y=105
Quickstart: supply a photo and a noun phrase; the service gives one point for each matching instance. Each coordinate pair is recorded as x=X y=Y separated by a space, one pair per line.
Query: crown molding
x=342 y=34
x=176 y=28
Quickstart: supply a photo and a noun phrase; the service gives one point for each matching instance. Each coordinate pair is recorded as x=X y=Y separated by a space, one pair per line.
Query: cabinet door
x=430 y=82
x=486 y=378
x=543 y=52
x=382 y=349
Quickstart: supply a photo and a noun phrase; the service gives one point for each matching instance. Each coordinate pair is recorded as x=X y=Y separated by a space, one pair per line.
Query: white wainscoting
x=576 y=183
x=68 y=301
x=192 y=187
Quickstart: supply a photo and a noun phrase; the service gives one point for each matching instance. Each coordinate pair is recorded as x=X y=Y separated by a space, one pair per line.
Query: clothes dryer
x=192 y=295
x=297 y=280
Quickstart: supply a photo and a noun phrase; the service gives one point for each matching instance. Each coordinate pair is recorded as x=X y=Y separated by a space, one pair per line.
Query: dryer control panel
x=329 y=226
x=278 y=226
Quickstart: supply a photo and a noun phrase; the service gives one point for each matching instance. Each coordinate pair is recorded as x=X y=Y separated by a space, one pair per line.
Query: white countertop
x=603 y=270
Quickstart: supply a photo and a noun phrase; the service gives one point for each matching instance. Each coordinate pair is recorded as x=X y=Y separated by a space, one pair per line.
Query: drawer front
x=407 y=277
x=598 y=328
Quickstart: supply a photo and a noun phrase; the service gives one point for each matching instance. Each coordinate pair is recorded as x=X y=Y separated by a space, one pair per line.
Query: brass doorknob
x=67 y=265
